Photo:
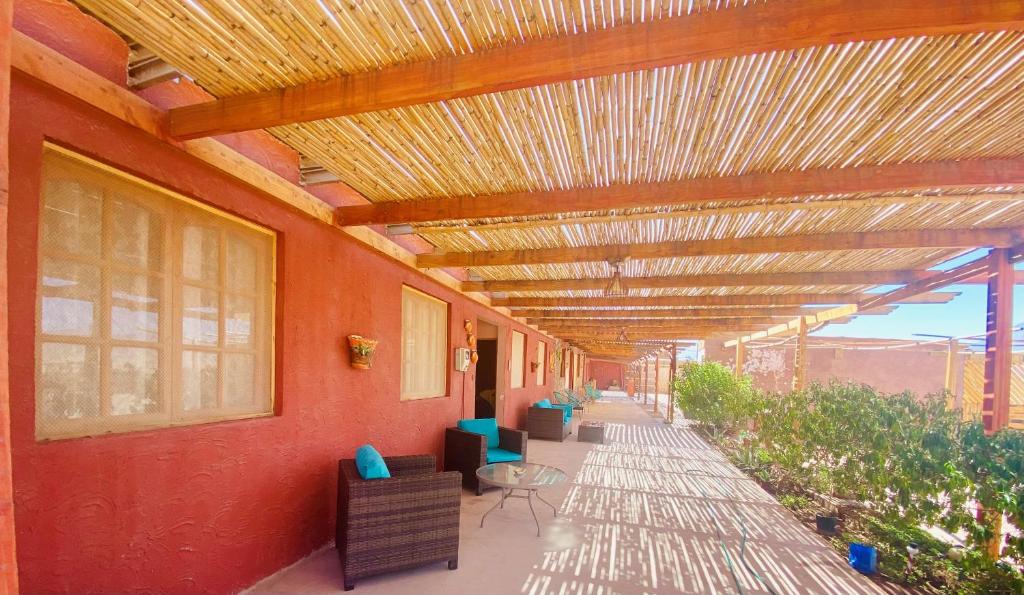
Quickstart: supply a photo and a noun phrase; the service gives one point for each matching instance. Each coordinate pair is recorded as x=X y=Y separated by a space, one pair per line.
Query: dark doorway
x=486 y=370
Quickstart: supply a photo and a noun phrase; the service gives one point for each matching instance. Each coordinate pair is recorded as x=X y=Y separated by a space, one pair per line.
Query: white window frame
x=416 y=343
x=542 y=365
x=170 y=346
x=517 y=361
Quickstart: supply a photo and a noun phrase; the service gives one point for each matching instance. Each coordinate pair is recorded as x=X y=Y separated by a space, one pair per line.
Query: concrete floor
x=653 y=510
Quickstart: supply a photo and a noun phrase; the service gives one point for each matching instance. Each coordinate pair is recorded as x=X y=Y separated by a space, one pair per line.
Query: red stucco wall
x=215 y=507
x=921 y=370
x=604 y=372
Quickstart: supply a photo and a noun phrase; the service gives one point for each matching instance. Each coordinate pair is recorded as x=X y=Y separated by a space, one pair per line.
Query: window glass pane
x=241 y=265
x=142 y=293
x=200 y=316
x=542 y=364
x=137 y=235
x=135 y=307
x=239 y=371
x=71 y=297
x=517 y=370
x=238 y=321
x=198 y=380
x=134 y=381
x=69 y=381
x=424 y=345
x=200 y=254
x=72 y=218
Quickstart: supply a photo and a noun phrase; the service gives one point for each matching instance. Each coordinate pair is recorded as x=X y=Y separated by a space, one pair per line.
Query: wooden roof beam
x=716 y=280
x=755 y=186
x=859 y=240
x=707 y=35
x=784 y=313
x=682 y=301
x=937 y=280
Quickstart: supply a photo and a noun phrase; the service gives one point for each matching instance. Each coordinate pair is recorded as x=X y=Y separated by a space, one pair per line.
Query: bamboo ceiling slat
x=746 y=263
x=915 y=99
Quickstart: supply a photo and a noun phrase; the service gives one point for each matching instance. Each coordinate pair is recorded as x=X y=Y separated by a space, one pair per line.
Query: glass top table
x=527 y=477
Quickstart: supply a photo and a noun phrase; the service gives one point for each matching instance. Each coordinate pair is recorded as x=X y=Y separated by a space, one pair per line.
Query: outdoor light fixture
x=615 y=286
x=402 y=229
x=622 y=336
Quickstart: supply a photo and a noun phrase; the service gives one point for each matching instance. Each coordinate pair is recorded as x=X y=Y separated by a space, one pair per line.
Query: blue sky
x=963 y=316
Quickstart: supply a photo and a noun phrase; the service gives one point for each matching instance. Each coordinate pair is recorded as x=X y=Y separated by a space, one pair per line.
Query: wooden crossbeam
x=783 y=313
x=707 y=35
x=645 y=334
x=556 y=324
x=911 y=291
x=715 y=280
x=767 y=300
x=849 y=180
x=864 y=240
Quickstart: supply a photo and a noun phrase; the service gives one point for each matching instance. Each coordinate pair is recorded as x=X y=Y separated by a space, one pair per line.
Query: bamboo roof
x=910 y=99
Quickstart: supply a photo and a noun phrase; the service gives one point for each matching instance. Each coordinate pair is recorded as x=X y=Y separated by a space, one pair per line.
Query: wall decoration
x=361 y=351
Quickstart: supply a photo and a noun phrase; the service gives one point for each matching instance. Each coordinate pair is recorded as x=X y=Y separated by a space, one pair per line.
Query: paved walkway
x=653 y=510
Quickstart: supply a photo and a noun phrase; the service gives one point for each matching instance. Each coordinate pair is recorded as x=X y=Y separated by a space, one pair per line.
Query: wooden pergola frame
x=652 y=321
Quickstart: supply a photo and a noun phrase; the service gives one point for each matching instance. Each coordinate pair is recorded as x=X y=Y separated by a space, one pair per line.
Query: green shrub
x=907 y=458
x=708 y=392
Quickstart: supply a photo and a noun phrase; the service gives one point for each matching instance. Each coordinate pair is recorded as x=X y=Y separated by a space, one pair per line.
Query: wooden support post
x=741 y=357
x=657 y=378
x=800 y=357
x=647 y=377
x=998 y=341
x=671 y=380
x=995 y=408
x=8 y=558
x=952 y=401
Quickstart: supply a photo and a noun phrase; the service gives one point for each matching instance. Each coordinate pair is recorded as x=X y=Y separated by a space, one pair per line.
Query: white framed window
x=424 y=346
x=153 y=310
x=517 y=367
x=542 y=364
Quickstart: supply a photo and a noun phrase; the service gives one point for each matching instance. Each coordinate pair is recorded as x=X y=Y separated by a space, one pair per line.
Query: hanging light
x=622 y=335
x=615 y=286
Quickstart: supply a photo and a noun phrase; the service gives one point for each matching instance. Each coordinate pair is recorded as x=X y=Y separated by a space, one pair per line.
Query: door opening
x=486 y=370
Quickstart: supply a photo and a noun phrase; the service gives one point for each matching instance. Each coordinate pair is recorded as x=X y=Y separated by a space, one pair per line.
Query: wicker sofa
x=397 y=523
x=549 y=421
x=467 y=451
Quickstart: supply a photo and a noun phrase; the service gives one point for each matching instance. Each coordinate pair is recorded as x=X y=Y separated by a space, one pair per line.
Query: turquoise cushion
x=543 y=404
x=370 y=464
x=566 y=413
x=500 y=455
x=487 y=426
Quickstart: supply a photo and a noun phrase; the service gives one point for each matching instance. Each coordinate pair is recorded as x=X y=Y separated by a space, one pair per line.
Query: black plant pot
x=827 y=525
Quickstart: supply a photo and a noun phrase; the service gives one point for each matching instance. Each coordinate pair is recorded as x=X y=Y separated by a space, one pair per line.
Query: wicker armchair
x=466 y=452
x=548 y=423
x=397 y=523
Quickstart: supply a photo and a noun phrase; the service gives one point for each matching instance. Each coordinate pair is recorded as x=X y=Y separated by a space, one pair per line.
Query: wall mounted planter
x=361 y=351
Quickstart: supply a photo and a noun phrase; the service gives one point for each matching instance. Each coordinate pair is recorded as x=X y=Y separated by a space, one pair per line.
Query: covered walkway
x=653 y=510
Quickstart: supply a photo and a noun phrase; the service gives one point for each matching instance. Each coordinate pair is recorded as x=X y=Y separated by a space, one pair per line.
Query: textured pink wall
x=921 y=370
x=214 y=507
x=604 y=372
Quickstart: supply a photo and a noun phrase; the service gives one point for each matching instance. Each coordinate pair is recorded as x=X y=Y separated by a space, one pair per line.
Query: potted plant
x=361 y=350
x=827 y=522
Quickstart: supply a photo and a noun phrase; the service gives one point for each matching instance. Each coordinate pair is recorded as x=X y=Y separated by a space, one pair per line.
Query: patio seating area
x=304 y=296
x=651 y=510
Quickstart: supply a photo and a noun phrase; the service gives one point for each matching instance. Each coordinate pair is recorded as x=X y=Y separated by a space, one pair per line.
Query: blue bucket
x=863 y=558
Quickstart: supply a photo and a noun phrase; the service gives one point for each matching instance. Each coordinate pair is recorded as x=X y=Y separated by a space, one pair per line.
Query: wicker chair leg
x=479 y=490
x=349 y=585
x=453 y=564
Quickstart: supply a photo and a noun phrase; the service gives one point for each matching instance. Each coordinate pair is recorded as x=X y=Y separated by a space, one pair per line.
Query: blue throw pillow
x=544 y=404
x=487 y=426
x=370 y=464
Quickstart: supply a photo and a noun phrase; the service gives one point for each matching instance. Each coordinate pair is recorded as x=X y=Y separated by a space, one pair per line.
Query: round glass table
x=525 y=477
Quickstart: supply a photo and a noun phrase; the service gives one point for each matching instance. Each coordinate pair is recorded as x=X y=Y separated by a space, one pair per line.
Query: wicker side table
x=591 y=431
